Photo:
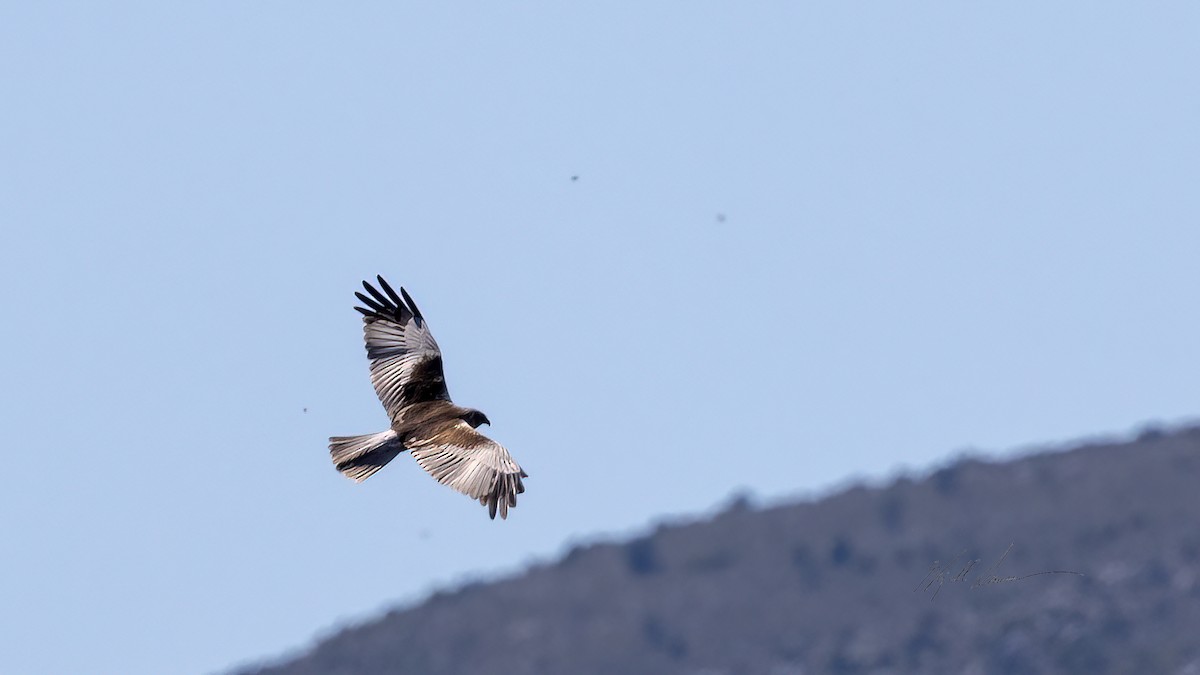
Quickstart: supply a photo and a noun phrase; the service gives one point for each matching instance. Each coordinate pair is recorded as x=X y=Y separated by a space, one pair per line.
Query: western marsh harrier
x=406 y=369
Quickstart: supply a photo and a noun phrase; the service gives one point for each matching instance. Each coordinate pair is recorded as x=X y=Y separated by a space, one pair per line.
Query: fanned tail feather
x=359 y=457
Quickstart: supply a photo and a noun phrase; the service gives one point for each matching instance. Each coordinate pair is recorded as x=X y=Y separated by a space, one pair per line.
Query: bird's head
x=476 y=418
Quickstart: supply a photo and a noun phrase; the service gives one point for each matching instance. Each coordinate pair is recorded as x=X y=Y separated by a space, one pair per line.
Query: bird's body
x=406 y=369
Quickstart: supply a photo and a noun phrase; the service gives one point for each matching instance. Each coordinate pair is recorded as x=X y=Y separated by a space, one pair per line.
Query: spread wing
x=466 y=460
x=406 y=364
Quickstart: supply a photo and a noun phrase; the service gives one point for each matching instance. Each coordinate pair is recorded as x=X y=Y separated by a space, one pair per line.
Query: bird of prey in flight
x=406 y=369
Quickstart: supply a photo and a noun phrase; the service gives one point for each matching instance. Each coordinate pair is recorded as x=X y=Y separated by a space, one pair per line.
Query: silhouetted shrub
x=945 y=481
x=1189 y=549
x=641 y=556
x=1150 y=432
x=712 y=562
x=924 y=640
x=891 y=511
x=804 y=561
x=655 y=631
x=841 y=552
x=740 y=502
x=841 y=664
x=1154 y=573
x=865 y=564
x=1115 y=627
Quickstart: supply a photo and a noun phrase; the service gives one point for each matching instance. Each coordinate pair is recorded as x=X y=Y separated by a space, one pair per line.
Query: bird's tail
x=360 y=456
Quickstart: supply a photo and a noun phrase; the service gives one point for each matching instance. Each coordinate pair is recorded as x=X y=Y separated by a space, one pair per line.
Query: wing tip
x=387 y=288
x=503 y=496
x=388 y=303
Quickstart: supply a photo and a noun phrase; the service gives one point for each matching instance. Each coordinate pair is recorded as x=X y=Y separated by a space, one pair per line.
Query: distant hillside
x=838 y=585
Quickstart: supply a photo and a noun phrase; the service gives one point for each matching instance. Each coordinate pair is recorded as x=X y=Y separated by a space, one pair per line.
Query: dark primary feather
x=375 y=306
x=415 y=310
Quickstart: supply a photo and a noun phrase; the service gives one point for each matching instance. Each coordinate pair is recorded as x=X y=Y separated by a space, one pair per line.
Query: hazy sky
x=945 y=225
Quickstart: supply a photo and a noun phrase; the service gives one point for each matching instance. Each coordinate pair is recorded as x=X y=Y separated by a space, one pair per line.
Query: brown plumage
x=406 y=369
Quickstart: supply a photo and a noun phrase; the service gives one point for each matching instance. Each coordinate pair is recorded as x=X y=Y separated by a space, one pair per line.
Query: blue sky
x=946 y=225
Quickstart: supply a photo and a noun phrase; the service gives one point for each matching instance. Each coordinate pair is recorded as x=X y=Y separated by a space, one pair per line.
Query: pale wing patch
x=402 y=377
